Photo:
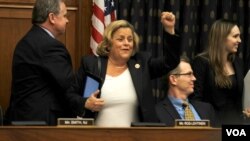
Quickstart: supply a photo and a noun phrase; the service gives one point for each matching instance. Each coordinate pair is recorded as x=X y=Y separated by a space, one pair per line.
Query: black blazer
x=167 y=113
x=150 y=68
x=206 y=90
x=41 y=74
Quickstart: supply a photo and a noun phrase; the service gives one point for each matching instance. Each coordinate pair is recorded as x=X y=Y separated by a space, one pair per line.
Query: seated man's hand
x=246 y=112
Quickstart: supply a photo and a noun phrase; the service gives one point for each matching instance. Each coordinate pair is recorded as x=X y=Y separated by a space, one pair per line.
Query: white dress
x=120 y=100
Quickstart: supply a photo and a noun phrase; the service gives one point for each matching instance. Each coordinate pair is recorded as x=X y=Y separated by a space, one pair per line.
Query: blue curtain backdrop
x=194 y=18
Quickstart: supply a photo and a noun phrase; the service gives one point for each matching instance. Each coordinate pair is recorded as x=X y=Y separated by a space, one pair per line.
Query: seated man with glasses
x=180 y=86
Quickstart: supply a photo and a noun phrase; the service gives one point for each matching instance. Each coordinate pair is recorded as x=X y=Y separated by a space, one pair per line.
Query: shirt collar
x=176 y=101
x=46 y=30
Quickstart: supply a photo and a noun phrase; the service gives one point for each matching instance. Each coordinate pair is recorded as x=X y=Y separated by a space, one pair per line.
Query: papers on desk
x=246 y=93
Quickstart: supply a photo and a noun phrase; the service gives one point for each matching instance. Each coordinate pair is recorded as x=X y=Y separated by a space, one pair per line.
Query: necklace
x=118 y=67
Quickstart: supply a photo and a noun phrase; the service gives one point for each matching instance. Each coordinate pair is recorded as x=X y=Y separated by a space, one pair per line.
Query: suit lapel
x=200 y=110
x=171 y=109
x=104 y=62
x=239 y=75
x=136 y=75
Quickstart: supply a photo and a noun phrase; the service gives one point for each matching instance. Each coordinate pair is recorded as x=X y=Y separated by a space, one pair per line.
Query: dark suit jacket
x=206 y=90
x=41 y=74
x=150 y=68
x=167 y=113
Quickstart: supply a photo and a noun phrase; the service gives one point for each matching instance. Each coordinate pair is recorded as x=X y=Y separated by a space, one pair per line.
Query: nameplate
x=75 y=122
x=192 y=123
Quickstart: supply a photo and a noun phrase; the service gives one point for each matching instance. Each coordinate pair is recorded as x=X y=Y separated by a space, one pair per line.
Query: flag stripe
x=103 y=14
x=113 y=17
x=98 y=12
x=97 y=35
x=99 y=25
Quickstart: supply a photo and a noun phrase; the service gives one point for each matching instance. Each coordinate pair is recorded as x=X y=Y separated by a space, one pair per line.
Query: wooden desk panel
x=9 y=133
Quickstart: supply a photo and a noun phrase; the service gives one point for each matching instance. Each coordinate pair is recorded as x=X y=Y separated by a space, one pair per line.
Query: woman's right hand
x=93 y=103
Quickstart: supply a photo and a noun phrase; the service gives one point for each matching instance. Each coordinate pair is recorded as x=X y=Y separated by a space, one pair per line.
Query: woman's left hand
x=168 y=21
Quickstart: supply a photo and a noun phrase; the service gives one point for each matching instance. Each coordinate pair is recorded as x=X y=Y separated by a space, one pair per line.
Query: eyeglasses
x=190 y=74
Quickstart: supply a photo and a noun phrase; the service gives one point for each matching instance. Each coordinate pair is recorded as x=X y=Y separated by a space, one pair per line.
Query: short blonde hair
x=104 y=47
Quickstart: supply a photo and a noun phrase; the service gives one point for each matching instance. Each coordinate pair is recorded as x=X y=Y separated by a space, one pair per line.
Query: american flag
x=103 y=13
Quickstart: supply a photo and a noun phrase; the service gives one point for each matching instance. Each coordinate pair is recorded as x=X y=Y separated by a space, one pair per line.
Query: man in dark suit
x=180 y=86
x=42 y=69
